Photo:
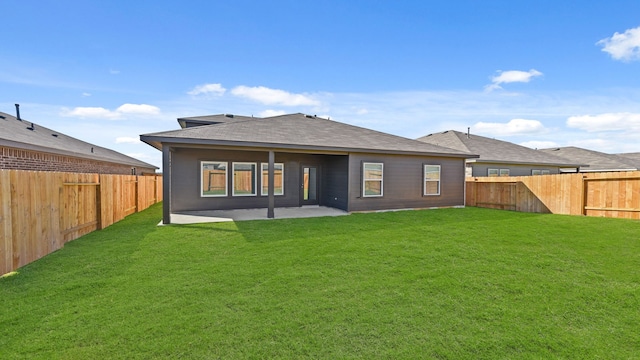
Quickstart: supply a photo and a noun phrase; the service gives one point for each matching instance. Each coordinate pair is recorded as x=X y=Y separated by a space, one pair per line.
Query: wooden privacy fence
x=610 y=194
x=41 y=211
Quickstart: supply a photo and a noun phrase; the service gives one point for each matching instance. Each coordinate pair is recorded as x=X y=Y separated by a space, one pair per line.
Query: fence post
x=99 y=205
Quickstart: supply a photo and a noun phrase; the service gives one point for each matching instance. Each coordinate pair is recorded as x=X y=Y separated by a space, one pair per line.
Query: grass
x=440 y=284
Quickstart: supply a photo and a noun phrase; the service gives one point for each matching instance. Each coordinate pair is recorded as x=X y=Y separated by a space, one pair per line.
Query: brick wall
x=19 y=159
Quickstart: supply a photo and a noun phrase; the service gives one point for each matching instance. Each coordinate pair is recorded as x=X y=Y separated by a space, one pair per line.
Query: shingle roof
x=24 y=134
x=298 y=132
x=495 y=151
x=597 y=161
x=634 y=157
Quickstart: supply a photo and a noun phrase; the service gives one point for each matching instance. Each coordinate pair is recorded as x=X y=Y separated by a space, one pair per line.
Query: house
x=500 y=158
x=25 y=145
x=295 y=160
x=596 y=161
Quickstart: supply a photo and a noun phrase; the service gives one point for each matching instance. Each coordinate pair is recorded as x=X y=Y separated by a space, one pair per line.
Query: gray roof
x=597 y=161
x=495 y=151
x=24 y=134
x=634 y=157
x=298 y=132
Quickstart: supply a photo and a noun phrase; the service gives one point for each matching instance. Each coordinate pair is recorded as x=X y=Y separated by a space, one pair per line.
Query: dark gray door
x=309 y=187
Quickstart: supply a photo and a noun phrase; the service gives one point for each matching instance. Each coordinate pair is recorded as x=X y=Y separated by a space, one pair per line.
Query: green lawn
x=442 y=284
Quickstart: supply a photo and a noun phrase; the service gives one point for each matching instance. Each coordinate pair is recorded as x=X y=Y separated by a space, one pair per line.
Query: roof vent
x=32 y=127
x=18 y=112
x=54 y=135
x=229 y=115
x=309 y=116
x=2 y=117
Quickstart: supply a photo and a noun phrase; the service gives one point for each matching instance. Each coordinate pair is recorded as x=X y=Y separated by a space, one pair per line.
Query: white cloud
x=90 y=112
x=537 y=144
x=114 y=72
x=362 y=111
x=505 y=77
x=273 y=96
x=513 y=127
x=214 y=89
x=269 y=113
x=86 y=94
x=625 y=46
x=605 y=122
x=102 y=113
x=141 y=109
x=127 y=140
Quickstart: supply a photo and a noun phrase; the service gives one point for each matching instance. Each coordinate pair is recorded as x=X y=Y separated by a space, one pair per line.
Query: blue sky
x=537 y=73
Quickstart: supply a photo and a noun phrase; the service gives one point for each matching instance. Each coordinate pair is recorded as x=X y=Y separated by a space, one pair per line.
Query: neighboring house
x=634 y=157
x=499 y=158
x=25 y=145
x=314 y=161
x=596 y=161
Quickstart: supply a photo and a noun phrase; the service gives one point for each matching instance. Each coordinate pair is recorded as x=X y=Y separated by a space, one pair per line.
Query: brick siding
x=20 y=159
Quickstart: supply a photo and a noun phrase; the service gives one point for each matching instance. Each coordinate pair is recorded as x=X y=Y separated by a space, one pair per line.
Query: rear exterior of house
x=226 y=166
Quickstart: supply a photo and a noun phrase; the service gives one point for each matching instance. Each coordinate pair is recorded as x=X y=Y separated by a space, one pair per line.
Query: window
x=540 y=172
x=372 y=174
x=213 y=178
x=278 y=179
x=432 y=180
x=498 y=172
x=244 y=179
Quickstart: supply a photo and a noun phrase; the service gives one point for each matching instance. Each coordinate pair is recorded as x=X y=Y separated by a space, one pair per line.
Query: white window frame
x=226 y=178
x=265 y=167
x=540 y=172
x=365 y=180
x=490 y=170
x=233 y=178
x=506 y=171
x=546 y=172
x=425 y=179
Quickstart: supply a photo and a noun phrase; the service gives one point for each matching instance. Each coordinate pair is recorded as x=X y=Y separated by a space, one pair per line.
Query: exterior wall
x=186 y=183
x=19 y=159
x=482 y=169
x=402 y=182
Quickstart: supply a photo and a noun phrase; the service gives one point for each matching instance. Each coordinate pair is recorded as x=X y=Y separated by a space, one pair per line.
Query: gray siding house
x=500 y=158
x=230 y=162
x=595 y=161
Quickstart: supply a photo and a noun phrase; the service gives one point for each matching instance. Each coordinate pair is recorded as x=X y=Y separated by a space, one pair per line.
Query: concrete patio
x=209 y=216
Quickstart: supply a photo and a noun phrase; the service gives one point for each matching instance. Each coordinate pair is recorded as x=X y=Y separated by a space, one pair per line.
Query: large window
x=244 y=179
x=432 y=180
x=213 y=178
x=278 y=179
x=372 y=179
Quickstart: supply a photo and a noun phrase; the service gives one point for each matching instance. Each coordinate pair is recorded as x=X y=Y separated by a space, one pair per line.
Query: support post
x=271 y=187
x=166 y=184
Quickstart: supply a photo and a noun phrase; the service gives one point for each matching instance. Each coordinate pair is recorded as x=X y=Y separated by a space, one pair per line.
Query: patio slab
x=208 y=216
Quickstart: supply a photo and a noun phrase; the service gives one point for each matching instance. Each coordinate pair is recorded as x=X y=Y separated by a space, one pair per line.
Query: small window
x=540 y=172
x=504 y=172
x=213 y=178
x=493 y=172
x=432 y=180
x=278 y=179
x=244 y=179
x=372 y=178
